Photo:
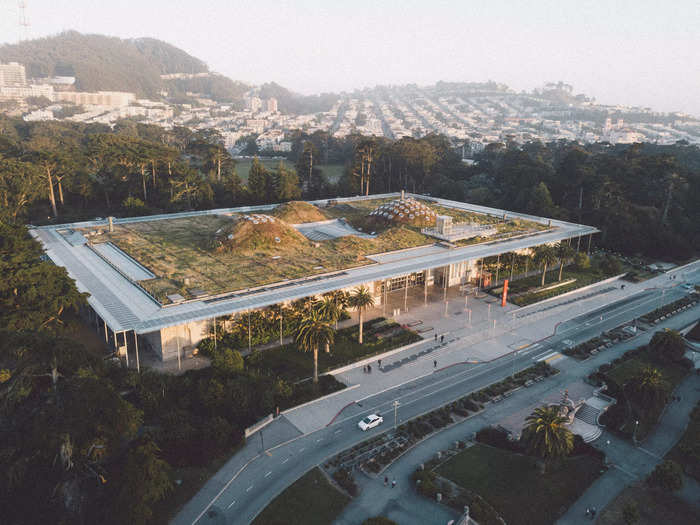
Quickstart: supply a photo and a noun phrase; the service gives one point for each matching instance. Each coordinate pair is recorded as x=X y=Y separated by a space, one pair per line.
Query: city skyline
x=619 y=55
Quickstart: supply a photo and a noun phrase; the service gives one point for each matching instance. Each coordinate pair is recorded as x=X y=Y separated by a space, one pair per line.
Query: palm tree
x=329 y=311
x=545 y=434
x=360 y=299
x=649 y=386
x=340 y=299
x=313 y=332
x=545 y=256
x=565 y=252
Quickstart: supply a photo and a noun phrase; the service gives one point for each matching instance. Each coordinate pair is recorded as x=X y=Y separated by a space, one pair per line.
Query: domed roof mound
x=405 y=211
x=298 y=212
x=257 y=233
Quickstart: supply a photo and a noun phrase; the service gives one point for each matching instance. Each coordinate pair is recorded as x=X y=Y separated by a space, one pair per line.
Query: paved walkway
x=516 y=328
x=630 y=463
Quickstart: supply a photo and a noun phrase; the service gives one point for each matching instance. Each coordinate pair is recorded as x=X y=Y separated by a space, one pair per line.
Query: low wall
x=257 y=426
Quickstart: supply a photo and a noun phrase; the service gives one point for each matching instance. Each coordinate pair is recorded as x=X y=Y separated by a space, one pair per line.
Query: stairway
x=589 y=429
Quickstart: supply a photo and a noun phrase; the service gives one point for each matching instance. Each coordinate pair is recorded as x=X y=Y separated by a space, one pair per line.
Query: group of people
x=386 y=481
x=367 y=369
x=590 y=512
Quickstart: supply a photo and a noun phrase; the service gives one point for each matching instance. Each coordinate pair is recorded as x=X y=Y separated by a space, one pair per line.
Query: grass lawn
x=311 y=500
x=513 y=485
x=332 y=172
x=293 y=365
x=654 y=506
x=243 y=166
x=672 y=373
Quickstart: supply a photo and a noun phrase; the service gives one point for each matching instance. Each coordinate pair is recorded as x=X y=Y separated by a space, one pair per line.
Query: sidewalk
x=630 y=463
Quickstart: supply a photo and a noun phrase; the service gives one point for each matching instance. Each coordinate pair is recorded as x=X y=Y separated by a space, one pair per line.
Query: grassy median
x=311 y=500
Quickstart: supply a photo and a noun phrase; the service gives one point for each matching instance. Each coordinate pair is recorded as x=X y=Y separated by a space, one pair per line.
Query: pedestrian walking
x=435 y=363
x=436 y=338
x=369 y=368
x=588 y=512
x=379 y=363
x=593 y=511
x=393 y=483
x=386 y=480
x=442 y=339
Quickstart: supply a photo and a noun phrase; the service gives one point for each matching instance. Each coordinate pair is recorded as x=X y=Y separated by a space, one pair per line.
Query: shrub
x=227 y=360
x=630 y=513
x=425 y=483
x=379 y=520
x=345 y=479
x=667 y=346
x=667 y=475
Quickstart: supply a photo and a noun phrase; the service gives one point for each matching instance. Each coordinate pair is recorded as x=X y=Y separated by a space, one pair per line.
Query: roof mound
x=298 y=212
x=405 y=211
x=258 y=234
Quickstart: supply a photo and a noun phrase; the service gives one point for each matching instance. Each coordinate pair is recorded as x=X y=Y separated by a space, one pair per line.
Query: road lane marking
x=555 y=357
x=319 y=440
x=249 y=488
x=302 y=449
x=231 y=504
x=285 y=460
x=337 y=431
x=544 y=357
x=266 y=475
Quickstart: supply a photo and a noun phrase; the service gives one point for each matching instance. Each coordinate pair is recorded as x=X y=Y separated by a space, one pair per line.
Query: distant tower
x=23 y=22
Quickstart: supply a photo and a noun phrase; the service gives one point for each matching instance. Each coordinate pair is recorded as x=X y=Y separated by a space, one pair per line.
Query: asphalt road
x=271 y=471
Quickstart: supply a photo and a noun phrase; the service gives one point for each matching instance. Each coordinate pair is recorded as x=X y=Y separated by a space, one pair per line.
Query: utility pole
x=396 y=408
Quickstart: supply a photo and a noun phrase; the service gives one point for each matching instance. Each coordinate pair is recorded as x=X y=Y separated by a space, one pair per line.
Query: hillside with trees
x=103 y=63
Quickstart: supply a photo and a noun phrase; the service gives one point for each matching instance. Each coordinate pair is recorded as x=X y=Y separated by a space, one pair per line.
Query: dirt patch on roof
x=298 y=212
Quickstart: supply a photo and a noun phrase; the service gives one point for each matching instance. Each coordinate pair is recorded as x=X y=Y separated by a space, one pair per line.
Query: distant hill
x=108 y=63
x=290 y=102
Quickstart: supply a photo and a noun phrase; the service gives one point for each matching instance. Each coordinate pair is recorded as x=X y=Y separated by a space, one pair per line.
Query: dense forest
x=643 y=197
x=86 y=441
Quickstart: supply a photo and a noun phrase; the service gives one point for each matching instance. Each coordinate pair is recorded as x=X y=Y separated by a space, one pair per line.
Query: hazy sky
x=639 y=52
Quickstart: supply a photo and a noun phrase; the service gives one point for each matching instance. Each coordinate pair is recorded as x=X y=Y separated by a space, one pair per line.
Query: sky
x=642 y=52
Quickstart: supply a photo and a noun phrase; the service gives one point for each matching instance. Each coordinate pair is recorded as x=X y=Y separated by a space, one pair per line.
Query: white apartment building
x=12 y=74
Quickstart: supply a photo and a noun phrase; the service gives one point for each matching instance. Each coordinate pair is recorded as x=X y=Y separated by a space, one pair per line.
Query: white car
x=370 y=421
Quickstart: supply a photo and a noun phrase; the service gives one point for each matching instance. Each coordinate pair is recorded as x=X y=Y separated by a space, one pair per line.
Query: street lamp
x=396 y=408
x=634 y=435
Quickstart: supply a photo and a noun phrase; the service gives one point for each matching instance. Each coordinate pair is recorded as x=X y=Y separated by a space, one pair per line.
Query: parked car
x=370 y=421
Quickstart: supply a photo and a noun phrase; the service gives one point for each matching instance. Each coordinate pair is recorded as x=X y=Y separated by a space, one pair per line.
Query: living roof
x=237 y=251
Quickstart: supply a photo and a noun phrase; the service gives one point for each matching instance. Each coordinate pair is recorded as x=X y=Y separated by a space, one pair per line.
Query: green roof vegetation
x=220 y=254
